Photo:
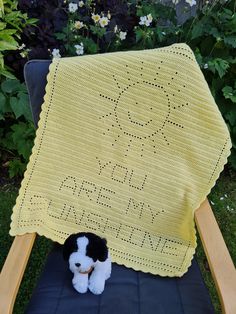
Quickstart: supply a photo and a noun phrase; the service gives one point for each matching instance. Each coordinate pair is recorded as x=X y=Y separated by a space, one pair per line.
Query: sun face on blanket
x=141 y=112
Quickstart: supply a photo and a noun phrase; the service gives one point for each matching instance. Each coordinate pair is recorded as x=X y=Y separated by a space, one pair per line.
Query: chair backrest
x=35 y=73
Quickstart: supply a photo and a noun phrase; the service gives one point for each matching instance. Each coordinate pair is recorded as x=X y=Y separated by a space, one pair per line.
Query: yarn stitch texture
x=128 y=146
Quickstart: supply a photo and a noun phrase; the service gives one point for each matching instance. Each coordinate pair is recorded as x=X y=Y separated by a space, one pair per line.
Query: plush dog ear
x=70 y=246
x=103 y=250
x=97 y=247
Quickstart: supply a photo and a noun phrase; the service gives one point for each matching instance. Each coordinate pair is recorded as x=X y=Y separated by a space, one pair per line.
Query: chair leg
x=219 y=259
x=13 y=270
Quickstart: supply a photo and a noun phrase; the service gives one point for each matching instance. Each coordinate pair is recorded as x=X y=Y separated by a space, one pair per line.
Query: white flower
x=145 y=20
x=24 y=54
x=109 y=15
x=73 y=7
x=230 y=209
x=103 y=21
x=81 y=4
x=212 y=203
x=149 y=17
x=96 y=17
x=115 y=29
x=191 y=2
x=79 y=49
x=56 y=53
x=205 y=66
x=21 y=47
x=222 y=198
x=226 y=195
x=79 y=25
x=122 y=35
x=163 y=33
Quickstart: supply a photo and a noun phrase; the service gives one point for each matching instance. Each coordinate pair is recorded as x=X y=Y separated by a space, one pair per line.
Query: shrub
x=212 y=36
x=16 y=128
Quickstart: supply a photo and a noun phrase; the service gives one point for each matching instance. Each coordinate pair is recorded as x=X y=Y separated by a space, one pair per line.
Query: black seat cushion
x=127 y=291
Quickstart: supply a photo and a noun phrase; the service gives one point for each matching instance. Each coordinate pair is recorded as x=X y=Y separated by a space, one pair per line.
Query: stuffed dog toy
x=89 y=261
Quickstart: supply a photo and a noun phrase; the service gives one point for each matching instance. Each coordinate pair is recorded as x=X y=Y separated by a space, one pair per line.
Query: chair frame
x=220 y=262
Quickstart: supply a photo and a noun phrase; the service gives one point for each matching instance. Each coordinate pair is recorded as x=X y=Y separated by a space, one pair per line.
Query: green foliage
x=230 y=93
x=218 y=65
x=18 y=134
x=12 y=24
x=14 y=100
x=18 y=141
x=16 y=129
x=212 y=36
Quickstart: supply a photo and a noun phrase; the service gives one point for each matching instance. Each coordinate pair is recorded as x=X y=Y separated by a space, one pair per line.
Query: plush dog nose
x=77 y=264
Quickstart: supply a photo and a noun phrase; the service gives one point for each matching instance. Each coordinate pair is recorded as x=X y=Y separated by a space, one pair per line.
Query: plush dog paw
x=80 y=287
x=96 y=287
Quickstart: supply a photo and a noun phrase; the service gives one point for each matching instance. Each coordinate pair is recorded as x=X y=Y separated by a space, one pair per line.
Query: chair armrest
x=220 y=262
x=13 y=270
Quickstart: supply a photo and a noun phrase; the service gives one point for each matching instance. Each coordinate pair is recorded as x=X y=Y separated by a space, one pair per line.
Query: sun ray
x=105 y=115
x=108 y=98
x=167 y=142
x=141 y=155
x=115 y=140
x=116 y=81
x=175 y=124
x=181 y=106
x=128 y=147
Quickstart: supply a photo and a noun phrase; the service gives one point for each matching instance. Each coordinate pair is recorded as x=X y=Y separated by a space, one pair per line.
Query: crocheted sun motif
x=142 y=120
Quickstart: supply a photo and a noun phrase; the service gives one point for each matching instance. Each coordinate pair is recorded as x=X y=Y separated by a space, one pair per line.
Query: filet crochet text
x=88 y=190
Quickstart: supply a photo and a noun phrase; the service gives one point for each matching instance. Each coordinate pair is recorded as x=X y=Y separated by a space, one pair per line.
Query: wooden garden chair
x=220 y=262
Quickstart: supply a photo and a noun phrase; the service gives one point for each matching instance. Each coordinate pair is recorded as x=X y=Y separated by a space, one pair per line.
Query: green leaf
x=22 y=137
x=159 y=34
x=230 y=40
x=216 y=86
x=7 y=32
x=90 y=45
x=139 y=34
x=231 y=25
x=2 y=25
x=197 y=31
x=229 y=93
x=213 y=31
x=218 y=65
x=60 y=36
x=198 y=57
x=2 y=103
x=8 y=45
x=10 y=86
x=97 y=30
x=24 y=104
x=16 y=108
x=7 y=74
x=32 y=21
x=231 y=116
x=16 y=167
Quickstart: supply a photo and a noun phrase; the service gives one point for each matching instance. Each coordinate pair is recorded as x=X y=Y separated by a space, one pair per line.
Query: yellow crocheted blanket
x=129 y=144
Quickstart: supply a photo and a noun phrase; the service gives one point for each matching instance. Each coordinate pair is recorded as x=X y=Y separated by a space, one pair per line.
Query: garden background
x=41 y=29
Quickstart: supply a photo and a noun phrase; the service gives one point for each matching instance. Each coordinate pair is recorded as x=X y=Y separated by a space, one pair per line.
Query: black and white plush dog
x=88 y=253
